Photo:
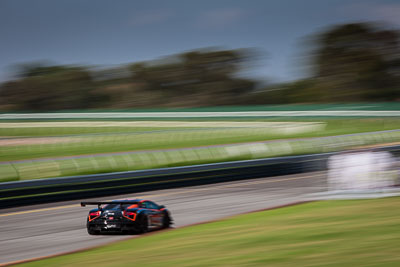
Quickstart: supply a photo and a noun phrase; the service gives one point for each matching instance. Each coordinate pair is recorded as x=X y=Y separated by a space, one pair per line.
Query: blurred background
x=74 y=55
x=281 y=58
x=302 y=96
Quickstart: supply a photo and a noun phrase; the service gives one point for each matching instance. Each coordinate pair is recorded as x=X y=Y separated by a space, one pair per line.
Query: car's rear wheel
x=143 y=224
x=91 y=231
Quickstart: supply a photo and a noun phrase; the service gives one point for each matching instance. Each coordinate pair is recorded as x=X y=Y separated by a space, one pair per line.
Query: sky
x=107 y=33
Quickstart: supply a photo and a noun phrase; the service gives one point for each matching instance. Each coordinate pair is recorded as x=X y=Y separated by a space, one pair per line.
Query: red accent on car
x=93 y=215
x=129 y=215
x=132 y=206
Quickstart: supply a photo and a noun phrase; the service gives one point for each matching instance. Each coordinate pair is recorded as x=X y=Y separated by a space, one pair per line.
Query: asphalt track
x=42 y=230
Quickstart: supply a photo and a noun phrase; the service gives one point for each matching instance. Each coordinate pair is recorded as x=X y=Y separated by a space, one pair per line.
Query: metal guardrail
x=79 y=187
x=68 y=188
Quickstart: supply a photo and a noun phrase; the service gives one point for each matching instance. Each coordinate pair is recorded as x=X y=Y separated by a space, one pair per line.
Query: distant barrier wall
x=80 y=187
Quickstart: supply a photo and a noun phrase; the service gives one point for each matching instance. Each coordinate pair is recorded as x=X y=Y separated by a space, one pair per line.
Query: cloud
x=386 y=12
x=151 y=17
x=221 y=18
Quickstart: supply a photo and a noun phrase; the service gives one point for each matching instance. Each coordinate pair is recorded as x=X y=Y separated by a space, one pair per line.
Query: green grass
x=92 y=140
x=328 y=233
x=131 y=139
x=169 y=158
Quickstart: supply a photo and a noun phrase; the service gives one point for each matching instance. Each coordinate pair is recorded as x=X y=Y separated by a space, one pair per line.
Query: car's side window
x=152 y=205
x=149 y=205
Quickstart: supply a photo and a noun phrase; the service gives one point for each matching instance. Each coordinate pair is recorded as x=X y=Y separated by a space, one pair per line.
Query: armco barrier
x=68 y=188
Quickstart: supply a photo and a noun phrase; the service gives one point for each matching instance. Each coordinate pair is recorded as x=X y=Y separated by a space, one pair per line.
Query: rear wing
x=99 y=203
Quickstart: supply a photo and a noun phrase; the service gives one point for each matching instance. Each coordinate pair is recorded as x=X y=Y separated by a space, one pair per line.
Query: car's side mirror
x=161 y=207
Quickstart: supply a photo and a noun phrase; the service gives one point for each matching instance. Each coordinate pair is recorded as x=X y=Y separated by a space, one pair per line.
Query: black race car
x=126 y=216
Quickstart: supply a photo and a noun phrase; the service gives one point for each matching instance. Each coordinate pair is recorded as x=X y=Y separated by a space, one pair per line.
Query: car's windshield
x=117 y=206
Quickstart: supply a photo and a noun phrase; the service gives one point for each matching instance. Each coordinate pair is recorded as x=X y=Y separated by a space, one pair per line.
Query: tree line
x=348 y=63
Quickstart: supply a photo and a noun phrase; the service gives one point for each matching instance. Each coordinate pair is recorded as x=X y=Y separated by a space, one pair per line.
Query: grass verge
x=154 y=147
x=90 y=140
x=326 y=233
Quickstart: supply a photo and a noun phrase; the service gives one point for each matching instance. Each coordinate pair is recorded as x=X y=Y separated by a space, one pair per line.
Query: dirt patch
x=86 y=124
x=36 y=141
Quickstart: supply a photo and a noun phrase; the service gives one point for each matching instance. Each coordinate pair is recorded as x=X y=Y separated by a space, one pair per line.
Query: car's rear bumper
x=112 y=226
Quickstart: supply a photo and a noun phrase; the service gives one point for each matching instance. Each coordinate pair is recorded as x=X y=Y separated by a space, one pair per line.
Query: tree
x=197 y=78
x=49 y=88
x=207 y=75
x=358 y=62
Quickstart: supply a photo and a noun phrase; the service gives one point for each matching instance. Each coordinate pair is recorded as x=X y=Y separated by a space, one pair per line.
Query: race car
x=126 y=216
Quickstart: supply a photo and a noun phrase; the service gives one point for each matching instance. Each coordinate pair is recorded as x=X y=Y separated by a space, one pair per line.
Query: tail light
x=93 y=215
x=129 y=215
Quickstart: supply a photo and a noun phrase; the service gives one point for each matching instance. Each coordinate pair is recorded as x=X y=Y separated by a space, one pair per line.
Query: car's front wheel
x=166 y=221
